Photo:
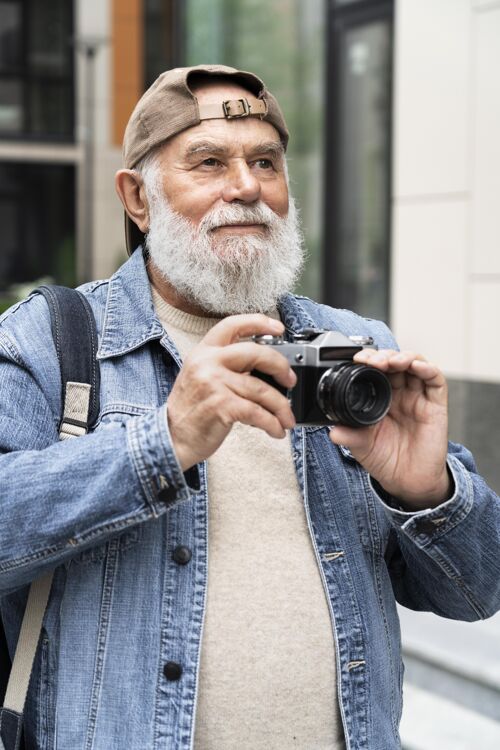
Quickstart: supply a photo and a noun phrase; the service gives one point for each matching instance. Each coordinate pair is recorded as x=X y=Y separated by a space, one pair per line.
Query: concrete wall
x=94 y=21
x=446 y=211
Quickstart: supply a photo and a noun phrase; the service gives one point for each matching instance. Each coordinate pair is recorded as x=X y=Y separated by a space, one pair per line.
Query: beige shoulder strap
x=22 y=664
x=76 y=409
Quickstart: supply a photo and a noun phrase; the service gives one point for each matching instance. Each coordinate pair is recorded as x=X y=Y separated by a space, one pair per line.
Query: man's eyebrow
x=273 y=148
x=203 y=147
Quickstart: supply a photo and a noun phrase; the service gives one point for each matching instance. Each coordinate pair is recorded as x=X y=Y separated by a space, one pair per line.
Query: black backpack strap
x=75 y=338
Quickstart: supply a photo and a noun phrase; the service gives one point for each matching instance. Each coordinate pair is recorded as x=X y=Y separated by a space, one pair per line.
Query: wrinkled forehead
x=232 y=138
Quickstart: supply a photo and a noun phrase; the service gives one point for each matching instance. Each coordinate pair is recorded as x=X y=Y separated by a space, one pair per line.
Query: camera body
x=330 y=388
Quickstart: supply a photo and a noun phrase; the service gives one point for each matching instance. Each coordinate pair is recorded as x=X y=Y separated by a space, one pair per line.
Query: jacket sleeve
x=447 y=559
x=58 y=497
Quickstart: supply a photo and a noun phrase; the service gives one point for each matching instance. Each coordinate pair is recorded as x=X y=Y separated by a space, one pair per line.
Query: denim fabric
x=108 y=509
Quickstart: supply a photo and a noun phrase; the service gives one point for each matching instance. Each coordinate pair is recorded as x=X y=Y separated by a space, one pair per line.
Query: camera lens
x=362 y=396
x=354 y=394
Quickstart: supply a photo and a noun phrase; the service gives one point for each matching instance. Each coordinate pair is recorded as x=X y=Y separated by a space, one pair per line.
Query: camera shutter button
x=267 y=338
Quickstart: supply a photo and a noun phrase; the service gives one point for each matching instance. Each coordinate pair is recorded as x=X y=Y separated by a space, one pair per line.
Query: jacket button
x=172 y=671
x=182 y=555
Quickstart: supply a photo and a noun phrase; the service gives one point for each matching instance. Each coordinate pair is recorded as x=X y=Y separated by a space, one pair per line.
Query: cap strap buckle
x=234 y=108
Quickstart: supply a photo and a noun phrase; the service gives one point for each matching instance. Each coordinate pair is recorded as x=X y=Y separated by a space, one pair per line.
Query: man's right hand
x=215 y=389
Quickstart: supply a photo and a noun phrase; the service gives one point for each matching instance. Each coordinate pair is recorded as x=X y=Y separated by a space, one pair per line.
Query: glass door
x=358 y=137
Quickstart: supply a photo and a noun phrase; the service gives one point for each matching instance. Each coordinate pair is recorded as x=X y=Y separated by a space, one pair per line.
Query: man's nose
x=241 y=184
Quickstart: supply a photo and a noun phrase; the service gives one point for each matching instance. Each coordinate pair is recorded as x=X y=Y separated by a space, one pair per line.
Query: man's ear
x=130 y=188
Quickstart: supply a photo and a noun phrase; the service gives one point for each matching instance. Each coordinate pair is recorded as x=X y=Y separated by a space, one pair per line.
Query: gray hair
x=148 y=168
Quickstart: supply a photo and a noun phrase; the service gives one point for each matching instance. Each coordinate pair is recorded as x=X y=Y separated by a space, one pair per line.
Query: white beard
x=230 y=274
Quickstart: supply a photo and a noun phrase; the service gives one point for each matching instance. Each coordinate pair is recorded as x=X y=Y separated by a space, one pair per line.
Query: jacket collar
x=130 y=320
x=293 y=314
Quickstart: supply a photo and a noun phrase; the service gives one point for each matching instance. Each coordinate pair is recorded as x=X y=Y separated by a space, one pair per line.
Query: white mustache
x=237 y=214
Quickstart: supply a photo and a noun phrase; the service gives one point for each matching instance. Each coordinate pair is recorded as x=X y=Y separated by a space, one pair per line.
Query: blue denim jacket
x=107 y=511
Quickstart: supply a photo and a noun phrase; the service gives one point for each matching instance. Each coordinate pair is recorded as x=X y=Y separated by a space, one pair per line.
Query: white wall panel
x=428 y=282
x=486 y=145
x=485 y=4
x=484 y=317
x=431 y=106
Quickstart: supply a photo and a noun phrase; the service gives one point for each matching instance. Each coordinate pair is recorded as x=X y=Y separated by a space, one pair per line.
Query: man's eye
x=264 y=163
x=210 y=162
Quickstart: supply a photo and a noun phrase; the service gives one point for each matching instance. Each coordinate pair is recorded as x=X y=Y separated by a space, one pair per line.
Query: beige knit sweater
x=267 y=677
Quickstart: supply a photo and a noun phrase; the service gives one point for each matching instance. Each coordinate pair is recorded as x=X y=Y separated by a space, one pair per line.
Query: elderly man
x=224 y=578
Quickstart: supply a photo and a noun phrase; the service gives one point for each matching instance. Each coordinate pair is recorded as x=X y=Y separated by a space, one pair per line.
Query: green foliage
x=64 y=267
x=62 y=272
x=17 y=292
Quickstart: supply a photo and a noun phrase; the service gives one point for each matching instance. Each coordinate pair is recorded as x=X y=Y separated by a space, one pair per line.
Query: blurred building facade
x=394 y=110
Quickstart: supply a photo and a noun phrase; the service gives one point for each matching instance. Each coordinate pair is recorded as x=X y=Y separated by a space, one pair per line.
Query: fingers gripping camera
x=331 y=388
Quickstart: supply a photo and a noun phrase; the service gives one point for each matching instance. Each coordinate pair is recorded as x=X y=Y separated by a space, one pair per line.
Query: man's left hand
x=406 y=451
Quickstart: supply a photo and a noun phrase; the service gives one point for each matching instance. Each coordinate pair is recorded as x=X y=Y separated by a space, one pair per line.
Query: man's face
x=220 y=162
x=223 y=232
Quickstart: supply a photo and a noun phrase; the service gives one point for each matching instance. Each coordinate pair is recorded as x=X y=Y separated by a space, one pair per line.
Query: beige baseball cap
x=169 y=106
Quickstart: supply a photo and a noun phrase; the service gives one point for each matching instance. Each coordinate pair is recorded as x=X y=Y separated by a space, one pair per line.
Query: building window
x=164 y=37
x=357 y=198
x=36 y=70
x=44 y=246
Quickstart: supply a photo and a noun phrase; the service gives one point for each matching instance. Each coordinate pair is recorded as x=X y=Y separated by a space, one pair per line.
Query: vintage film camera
x=331 y=388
